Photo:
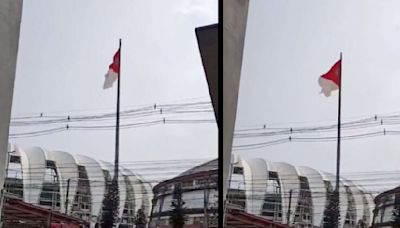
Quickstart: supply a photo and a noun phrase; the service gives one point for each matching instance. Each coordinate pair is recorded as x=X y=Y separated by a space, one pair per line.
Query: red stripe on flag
x=115 y=65
x=333 y=73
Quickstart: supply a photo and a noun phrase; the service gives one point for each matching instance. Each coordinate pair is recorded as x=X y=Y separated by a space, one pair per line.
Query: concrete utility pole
x=290 y=203
x=49 y=221
x=66 y=197
x=206 y=197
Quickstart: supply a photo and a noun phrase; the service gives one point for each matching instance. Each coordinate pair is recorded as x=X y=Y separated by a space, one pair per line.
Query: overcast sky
x=288 y=45
x=65 y=48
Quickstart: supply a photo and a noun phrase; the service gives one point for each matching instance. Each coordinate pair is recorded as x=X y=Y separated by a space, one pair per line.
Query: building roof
x=31 y=214
x=207 y=166
x=388 y=192
x=240 y=219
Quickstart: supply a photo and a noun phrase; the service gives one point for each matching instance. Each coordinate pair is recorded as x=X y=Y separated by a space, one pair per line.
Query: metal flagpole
x=114 y=184
x=116 y=162
x=337 y=195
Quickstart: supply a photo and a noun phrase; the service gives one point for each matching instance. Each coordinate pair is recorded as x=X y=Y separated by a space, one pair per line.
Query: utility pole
x=206 y=196
x=66 y=197
x=49 y=221
x=290 y=203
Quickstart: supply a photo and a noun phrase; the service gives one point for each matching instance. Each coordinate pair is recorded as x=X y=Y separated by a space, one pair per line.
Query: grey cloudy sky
x=288 y=45
x=65 y=49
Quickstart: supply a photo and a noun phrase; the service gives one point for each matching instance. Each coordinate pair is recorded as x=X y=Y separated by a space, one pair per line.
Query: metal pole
x=66 y=197
x=290 y=203
x=52 y=207
x=206 y=195
x=337 y=195
x=116 y=163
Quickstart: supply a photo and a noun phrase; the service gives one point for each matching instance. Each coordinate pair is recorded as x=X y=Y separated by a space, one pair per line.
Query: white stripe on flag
x=327 y=86
x=111 y=76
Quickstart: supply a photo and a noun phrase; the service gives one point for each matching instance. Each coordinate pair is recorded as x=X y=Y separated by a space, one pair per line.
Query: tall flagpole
x=337 y=196
x=116 y=162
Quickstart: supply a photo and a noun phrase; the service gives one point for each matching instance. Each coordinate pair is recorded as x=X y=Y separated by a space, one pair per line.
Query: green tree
x=140 y=219
x=332 y=215
x=111 y=204
x=177 y=217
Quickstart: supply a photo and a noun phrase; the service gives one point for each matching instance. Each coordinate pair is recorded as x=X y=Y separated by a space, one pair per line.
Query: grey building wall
x=10 y=20
x=234 y=27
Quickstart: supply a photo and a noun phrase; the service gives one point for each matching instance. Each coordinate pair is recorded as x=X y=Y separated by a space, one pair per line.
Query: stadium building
x=272 y=189
x=199 y=192
x=73 y=184
x=387 y=208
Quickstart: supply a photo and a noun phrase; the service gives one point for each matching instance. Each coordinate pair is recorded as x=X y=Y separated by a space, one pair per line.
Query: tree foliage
x=140 y=219
x=111 y=204
x=332 y=212
x=177 y=217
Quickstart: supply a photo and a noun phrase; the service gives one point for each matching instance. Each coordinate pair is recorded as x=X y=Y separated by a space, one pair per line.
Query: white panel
x=147 y=196
x=248 y=187
x=358 y=199
x=67 y=169
x=289 y=180
x=137 y=189
x=318 y=193
x=256 y=183
x=33 y=163
x=368 y=207
x=96 y=182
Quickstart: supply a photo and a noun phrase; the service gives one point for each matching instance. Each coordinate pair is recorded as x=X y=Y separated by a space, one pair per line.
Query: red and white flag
x=331 y=80
x=113 y=71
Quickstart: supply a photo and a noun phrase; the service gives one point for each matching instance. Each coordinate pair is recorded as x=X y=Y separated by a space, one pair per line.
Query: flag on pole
x=331 y=80
x=113 y=71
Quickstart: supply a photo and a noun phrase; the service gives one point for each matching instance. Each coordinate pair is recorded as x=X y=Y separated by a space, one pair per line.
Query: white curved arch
x=67 y=169
x=248 y=186
x=369 y=207
x=256 y=180
x=289 y=179
x=121 y=185
x=96 y=182
x=318 y=193
x=358 y=199
x=135 y=184
x=147 y=195
x=33 y=164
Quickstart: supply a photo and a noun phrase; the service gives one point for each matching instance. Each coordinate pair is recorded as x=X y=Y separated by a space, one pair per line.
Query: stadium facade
x=199 y=192
x=262 y=188
x=387 y=209
x=73 y=184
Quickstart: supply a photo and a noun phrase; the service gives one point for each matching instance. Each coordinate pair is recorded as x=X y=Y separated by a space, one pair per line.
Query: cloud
x=202 y=8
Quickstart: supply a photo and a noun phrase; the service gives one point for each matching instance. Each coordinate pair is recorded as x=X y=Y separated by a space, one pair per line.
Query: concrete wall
x=234 y=27
x=10 y=20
